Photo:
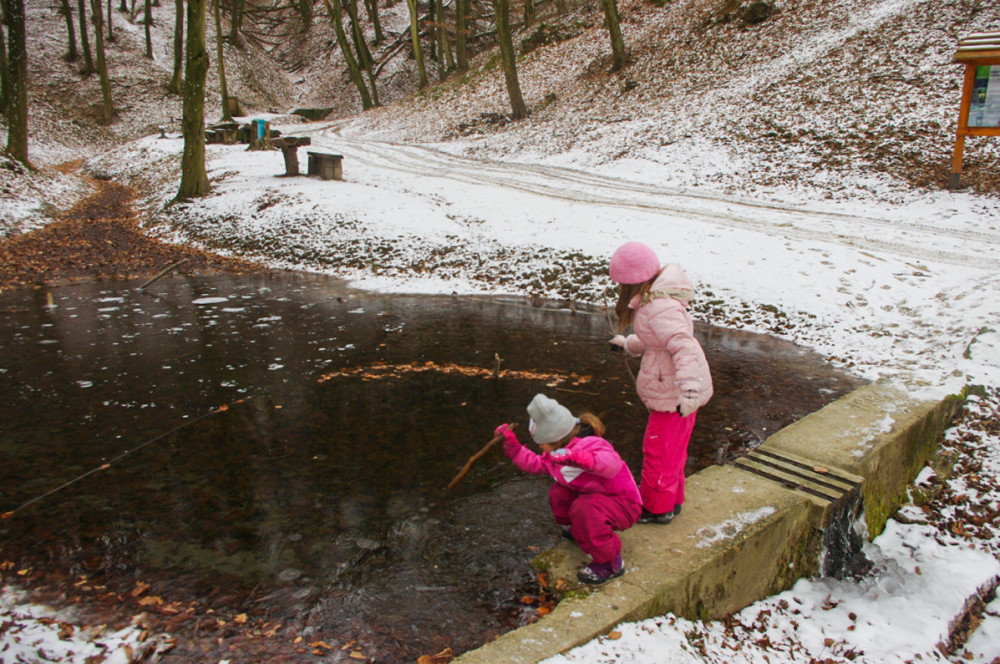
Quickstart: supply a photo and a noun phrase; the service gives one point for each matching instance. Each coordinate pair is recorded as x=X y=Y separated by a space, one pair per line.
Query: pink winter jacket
x=607 y=473
x=672 y=359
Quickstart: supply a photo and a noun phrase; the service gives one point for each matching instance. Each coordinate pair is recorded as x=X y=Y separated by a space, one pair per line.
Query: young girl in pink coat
x=674 y=380
x=593 y=493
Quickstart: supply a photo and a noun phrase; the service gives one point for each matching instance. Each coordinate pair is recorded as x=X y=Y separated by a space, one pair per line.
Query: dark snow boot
x=662 y=519
x=650 y=517
x=595 y=573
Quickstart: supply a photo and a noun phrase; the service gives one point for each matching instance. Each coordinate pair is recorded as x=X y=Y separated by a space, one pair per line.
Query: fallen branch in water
x=164 y=272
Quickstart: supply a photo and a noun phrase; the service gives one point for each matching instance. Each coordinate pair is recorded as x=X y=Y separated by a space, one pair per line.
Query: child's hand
x=580 y=459
x=688 y=402
x=511 y=445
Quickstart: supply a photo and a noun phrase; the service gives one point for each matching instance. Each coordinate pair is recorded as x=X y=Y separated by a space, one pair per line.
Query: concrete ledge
x=746 y=532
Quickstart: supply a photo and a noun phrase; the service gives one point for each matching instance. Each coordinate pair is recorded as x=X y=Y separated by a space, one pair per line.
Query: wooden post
x=955 y=182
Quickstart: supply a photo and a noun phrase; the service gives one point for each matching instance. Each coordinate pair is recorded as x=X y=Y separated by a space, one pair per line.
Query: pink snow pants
x=664 y=453
x=593 y=519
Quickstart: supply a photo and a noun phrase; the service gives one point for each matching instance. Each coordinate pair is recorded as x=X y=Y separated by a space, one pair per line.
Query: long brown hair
x=594 y=422
x=625 y=294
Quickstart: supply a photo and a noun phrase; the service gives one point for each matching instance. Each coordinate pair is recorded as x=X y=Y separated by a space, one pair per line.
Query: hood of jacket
x=671 y=282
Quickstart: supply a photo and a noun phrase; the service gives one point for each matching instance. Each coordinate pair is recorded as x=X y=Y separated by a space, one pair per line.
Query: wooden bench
x=289 y=146
x=327 y=166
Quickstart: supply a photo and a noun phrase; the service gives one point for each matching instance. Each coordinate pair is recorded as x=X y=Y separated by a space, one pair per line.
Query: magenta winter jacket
x=672 y=359
x=608 y=473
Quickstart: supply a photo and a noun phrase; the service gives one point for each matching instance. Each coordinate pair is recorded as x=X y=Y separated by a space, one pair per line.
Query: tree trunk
x=236 y=22
x=194 y=177
x=371 y=6
x=461 y=52
x=71 y=54
x=102 y=64
x=221 y=61
x=17 y=69
x=149 y=27
x=529 y=12
x=364 y=55
x=445 y=61
x=418 y=54
x=177 y=80
x=5 y=73
x=502 y=10
x=306 y=12
x=111 y=33
x=88 y=59
x=614 y=29
x=334 y=9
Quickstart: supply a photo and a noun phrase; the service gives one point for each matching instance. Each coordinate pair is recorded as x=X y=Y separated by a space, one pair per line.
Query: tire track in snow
x=907 y=240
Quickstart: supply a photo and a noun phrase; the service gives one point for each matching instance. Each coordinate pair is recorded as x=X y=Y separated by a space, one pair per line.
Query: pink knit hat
x=633 y=263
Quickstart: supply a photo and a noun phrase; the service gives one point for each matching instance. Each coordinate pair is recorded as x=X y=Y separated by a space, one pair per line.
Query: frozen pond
x=280 y=446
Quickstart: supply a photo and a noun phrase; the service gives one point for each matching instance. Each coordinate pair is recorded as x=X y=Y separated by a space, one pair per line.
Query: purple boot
x=595 y=573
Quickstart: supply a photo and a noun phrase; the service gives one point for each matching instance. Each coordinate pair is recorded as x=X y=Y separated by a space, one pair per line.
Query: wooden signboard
x=980 y=111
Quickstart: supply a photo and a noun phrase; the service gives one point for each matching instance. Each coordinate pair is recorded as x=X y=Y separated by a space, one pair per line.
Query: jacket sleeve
x=522 y=457
x=634 y=346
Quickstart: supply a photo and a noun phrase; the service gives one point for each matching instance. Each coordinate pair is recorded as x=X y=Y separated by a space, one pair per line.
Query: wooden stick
x=167 y=269
x=476 y=457
x=607 y=314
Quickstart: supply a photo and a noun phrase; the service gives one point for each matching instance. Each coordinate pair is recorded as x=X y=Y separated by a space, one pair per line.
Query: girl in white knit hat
x=593 y=493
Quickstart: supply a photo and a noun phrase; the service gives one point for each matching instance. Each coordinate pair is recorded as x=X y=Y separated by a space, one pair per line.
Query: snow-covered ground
x=786 y=220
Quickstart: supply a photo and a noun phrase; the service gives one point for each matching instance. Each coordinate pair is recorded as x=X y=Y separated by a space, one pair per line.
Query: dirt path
x=100 y=238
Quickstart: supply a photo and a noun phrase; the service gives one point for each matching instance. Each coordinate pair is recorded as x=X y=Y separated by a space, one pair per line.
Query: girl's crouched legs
x=664 y=453
x=594 y=518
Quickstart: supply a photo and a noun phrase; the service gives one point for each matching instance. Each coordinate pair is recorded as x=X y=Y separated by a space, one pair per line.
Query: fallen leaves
x=391 y=371
x=442 y=657
x=100 y=237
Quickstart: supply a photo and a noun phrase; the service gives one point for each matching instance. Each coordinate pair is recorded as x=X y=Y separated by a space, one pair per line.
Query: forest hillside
x=822 y=96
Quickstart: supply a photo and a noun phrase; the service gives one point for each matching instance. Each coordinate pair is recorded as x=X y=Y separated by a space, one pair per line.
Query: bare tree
x=4 y=67
x=418 y=53
x=445 y=61
x=336 y=20
x=365 y=58
x=371 y=6
x=502 y=11
x=71 y=53
x=111 y=33
x=148 y=25
x=88 y=59
x=236 y=22
x=221 y=62
x=461 y=36
x=178 y=78
x=102 y=63
x=194 y=176
x=614 y=30
x=17 y=80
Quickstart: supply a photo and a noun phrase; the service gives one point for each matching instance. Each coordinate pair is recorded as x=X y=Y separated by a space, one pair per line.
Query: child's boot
x=662 y=519
x=595 y=573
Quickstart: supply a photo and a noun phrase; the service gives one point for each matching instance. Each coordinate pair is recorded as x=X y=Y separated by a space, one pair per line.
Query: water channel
x=280 y=445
